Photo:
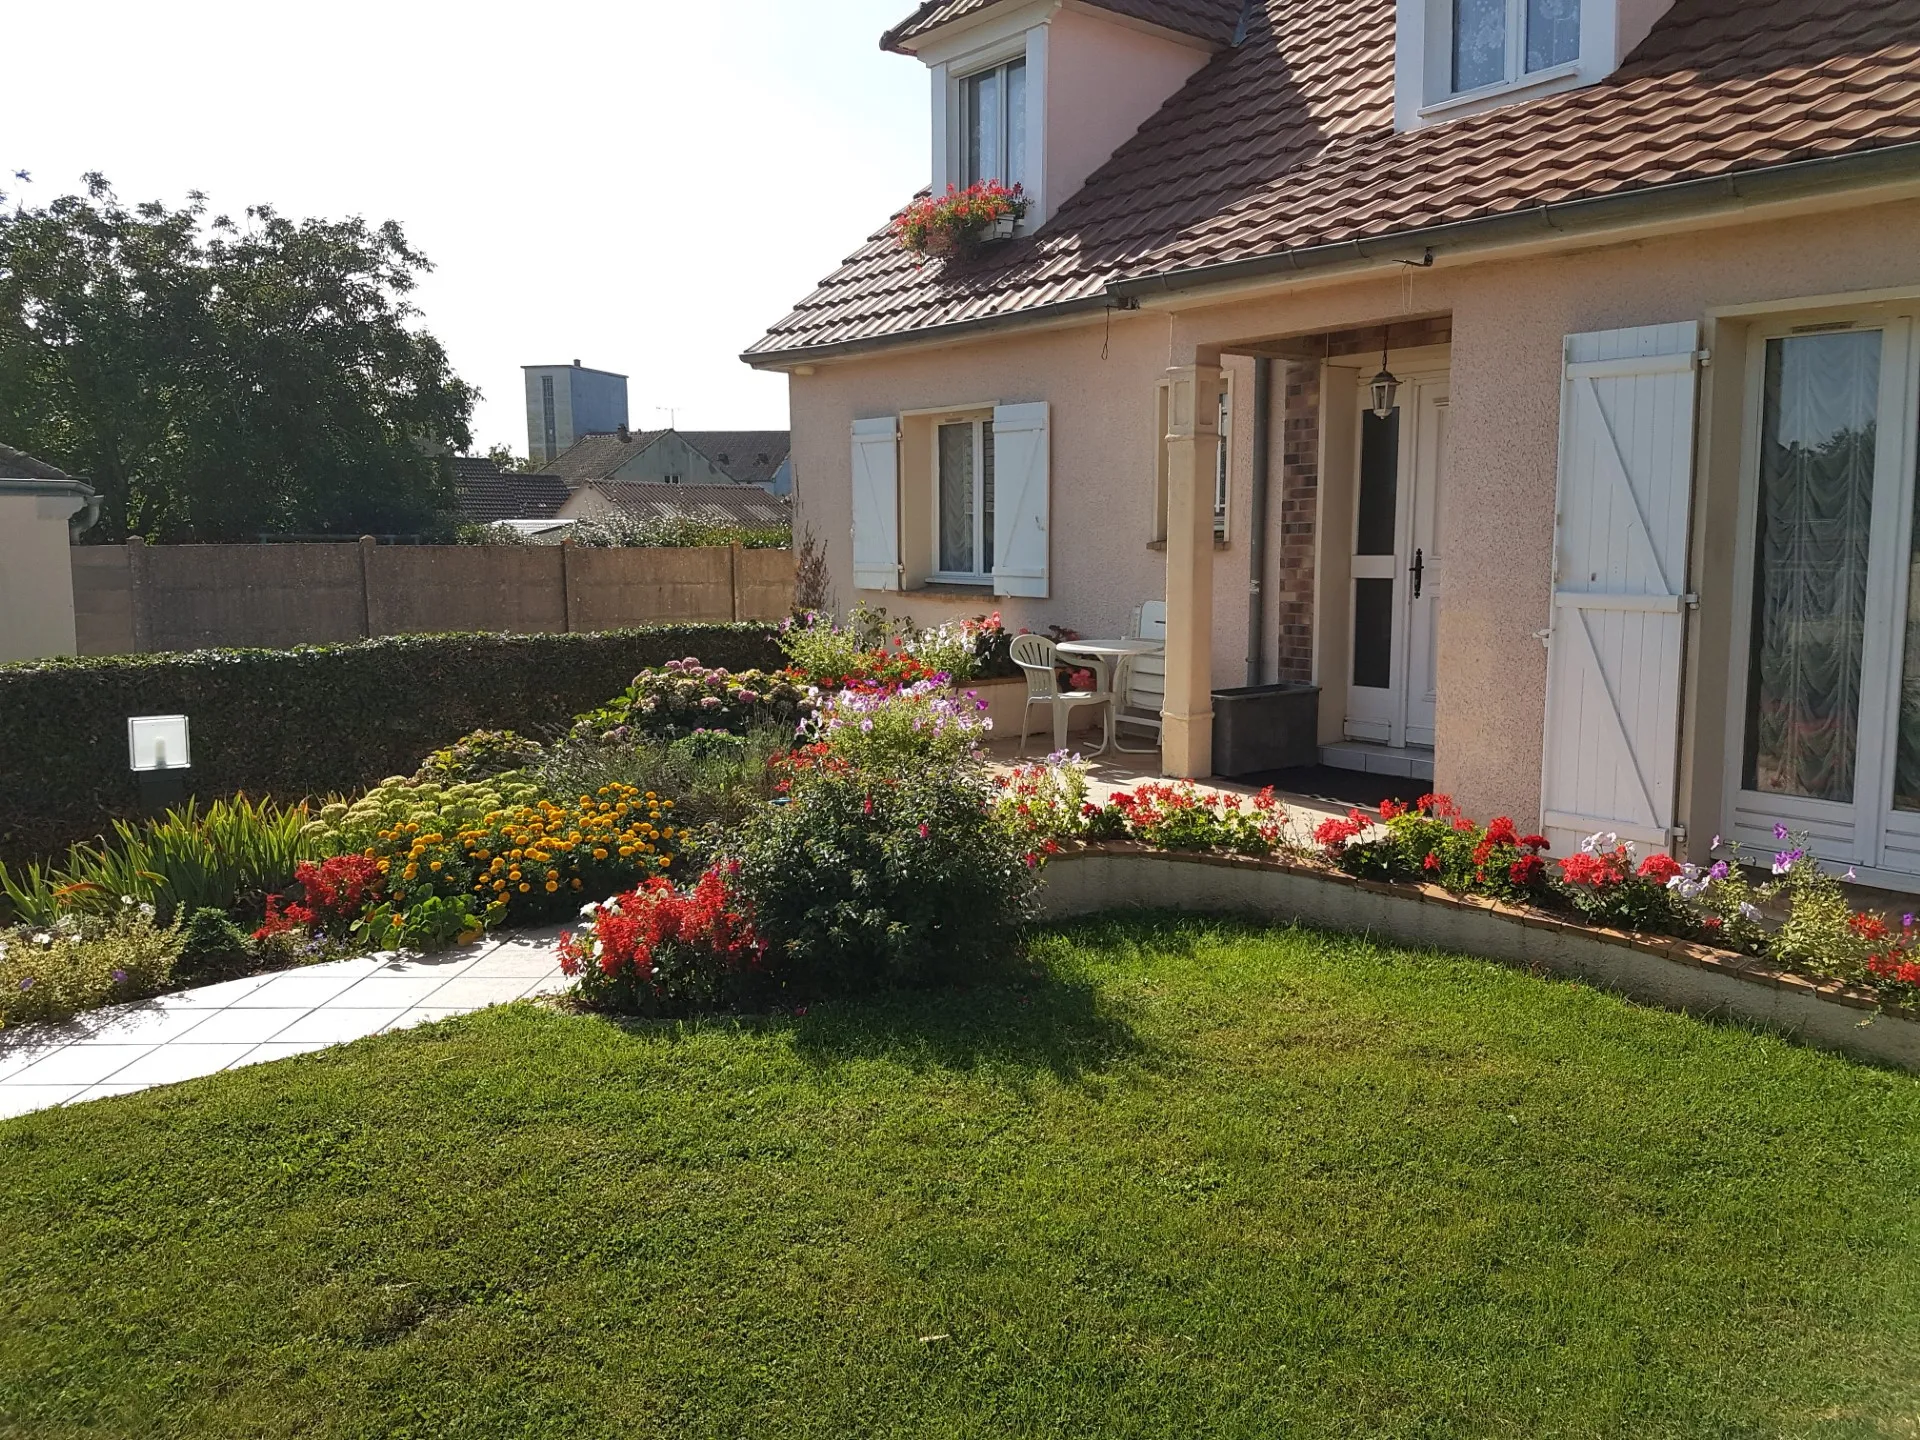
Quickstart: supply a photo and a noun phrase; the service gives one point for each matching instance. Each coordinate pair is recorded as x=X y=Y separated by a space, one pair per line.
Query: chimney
x=626 y=436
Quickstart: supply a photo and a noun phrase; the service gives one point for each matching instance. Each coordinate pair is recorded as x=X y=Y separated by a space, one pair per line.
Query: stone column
x=1193 y=439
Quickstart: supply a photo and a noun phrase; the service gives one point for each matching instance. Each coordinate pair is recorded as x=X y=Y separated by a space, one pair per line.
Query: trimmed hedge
x=312 y=721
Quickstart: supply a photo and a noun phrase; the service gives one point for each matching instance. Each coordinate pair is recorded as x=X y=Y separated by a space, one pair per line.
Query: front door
x=1396 y=568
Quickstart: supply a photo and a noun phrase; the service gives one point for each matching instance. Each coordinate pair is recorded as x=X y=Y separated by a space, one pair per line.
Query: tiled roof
x=1286 y=144
x=488 y=494
x=16 y=465
x=596 y=457
x=1213 y=20
x=750 y=456
x=720 y=504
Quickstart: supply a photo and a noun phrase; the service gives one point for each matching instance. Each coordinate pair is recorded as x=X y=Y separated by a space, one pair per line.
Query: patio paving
x=126 y=1048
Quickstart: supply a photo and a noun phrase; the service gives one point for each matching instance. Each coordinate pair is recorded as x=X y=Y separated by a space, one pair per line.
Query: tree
x=509 y=463
x=217 y=382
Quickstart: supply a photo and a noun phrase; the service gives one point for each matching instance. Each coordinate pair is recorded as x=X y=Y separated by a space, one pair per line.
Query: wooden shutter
x=876 y=504
x=1021 y=502
x=1618 y=629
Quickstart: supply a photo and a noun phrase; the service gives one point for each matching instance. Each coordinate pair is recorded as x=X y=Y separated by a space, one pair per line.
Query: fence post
x=139 y=595
x=566 y=583
x=733 y=575
x=367 y=546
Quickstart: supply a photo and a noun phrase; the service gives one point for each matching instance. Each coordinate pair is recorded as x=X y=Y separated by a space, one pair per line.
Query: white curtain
x=1553 y=33
x=1817 y=457
x=956 y=499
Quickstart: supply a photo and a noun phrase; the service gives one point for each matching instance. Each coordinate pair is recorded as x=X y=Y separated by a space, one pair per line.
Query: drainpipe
x=1257 y=523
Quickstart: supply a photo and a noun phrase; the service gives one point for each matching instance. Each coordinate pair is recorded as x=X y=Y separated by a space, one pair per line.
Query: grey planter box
x=1265 y=727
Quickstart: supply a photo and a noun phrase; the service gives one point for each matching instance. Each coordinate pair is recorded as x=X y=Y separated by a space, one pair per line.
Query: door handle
x=1419 y=571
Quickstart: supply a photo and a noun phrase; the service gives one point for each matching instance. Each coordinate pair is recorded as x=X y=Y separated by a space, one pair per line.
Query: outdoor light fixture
x=158 y=742
x=1386 y=385
x=162 y=763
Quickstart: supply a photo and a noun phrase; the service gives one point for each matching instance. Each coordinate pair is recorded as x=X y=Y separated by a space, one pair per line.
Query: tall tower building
x=565 y=402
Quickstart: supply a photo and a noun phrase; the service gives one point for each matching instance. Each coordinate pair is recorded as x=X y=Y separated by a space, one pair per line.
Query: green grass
x=1185 y=1180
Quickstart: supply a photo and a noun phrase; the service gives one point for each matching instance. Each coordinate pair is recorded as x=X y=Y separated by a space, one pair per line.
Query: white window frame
x=1859 y=834
x=1423 y=61
x=979 y=420
x=1515 y=75
x=963 y=120
x=1021 y=34
x=1223 y=464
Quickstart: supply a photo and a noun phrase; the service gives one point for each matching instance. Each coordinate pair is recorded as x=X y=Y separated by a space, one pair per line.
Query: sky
x=644 y=186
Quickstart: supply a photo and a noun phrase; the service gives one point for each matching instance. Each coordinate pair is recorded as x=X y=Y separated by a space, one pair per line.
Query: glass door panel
x=1818 y=457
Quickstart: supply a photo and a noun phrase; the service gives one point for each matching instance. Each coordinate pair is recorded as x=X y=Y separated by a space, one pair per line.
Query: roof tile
x=1213 y=20
x=1287 y=142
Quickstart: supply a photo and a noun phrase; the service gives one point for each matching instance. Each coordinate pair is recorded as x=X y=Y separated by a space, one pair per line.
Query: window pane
x=956 y=498
x=1223 y=452
x=986 y=497
x=1015 y=171
x=1479 y=43
x=1553 y=33
x=1817 y=451
x=1906 y=781
x=1373 y=634
x=984 y=135
x=1379 y=484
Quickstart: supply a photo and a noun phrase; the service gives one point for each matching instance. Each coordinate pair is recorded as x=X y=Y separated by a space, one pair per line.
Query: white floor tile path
x=265 y=1017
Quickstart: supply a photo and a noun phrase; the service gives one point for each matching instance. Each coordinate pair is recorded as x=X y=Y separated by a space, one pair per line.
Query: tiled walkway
x=264 y=1017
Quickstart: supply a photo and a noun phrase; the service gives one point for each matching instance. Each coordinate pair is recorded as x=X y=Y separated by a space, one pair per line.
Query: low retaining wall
x=1672 y=974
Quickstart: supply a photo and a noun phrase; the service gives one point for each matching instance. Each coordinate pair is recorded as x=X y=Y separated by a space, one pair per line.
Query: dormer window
x=994 y=119
x=1462 y=57
x=1496 y=42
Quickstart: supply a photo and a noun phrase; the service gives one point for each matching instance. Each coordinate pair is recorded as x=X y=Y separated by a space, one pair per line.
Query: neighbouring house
x=490 y=495
x=744 y=505
x=680 y=457
x=43 y=511
x=1539 y=378
x=565 y=402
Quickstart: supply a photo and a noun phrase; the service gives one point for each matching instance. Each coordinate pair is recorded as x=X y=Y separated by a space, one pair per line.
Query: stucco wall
x=36 y=587
x=1102 y=561
x=1104 y=81
x=1509 y=321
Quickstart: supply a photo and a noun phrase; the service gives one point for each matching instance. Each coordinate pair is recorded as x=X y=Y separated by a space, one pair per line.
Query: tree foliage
x=220 y=381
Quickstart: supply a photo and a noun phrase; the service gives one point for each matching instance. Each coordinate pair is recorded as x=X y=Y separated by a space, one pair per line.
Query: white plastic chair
x=1141 y=688
x=1038 y=659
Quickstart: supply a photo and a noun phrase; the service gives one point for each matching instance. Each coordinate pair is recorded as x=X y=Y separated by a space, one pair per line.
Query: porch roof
x=1284 y=146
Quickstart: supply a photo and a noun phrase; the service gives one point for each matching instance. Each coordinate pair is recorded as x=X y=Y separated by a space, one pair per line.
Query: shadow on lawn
x=1031 y=1022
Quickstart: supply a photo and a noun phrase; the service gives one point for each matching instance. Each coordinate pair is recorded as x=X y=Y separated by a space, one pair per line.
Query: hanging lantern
x=1386 y=385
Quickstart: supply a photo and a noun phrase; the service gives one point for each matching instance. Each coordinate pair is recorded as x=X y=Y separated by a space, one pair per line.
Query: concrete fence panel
x=764 y=582
x=421 y=589
x=102 y=600
x=612 y=589
x=193 y=597
x=140 y=598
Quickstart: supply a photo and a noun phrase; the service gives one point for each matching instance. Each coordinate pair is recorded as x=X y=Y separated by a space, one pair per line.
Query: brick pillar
x=1193 y=438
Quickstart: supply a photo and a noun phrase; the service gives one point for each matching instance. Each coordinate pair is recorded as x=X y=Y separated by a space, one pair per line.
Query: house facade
x=1539 y=378
x=43 y=512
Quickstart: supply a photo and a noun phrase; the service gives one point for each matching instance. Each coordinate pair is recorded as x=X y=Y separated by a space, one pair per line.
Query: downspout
x=1257 y=522
x=84 y=520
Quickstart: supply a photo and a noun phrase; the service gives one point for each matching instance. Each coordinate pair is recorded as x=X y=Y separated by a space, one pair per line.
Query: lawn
x=1185 y=1179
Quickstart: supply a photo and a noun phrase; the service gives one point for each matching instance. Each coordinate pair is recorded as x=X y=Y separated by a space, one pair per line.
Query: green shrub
x=481 y=756
x=312 y=721
x=860 y=883
x=228 y=858
x=81 y=963
x=212 y=948
x=682 y=696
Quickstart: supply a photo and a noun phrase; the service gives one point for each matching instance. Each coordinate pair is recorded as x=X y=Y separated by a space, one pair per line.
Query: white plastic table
x=1101 y=652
